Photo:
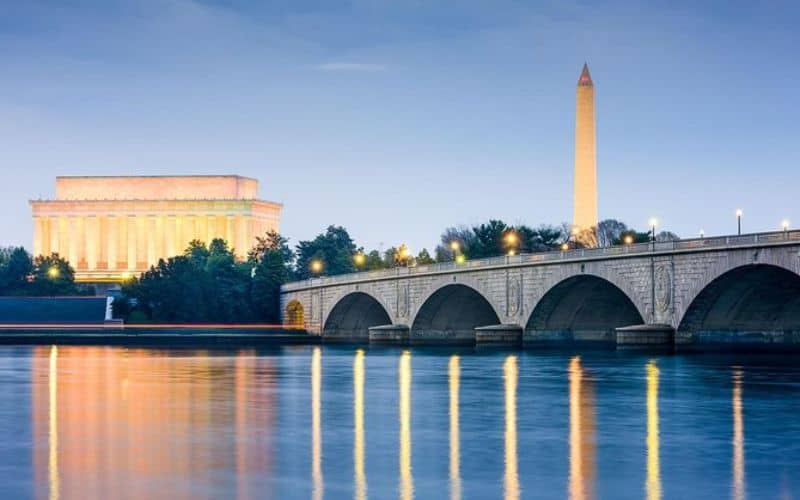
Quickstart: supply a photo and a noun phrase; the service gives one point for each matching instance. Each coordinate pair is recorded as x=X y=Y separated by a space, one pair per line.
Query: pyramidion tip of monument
x=585 y=78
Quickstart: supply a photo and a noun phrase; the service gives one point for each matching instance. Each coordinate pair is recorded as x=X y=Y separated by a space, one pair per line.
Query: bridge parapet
x=582 y=294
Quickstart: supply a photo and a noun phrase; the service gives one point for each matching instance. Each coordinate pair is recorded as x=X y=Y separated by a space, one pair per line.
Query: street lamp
x=739 y=220
x=359 y=259
x=653 y=222
x=564 y=246
x=511 y=239
x=460 y=258
x=785 y=225
x=702 y=234
x=53 y=272
x=628 y=239
x=455 y=246
x=316 y=266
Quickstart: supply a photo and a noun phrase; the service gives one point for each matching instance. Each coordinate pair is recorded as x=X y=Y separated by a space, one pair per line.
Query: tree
x=272 y=258
x=334 y=248
x=424 y=258
x=488 y=241
x=374 y=261
x=16 y=267
x=461 y=236
x=52 y=275
x=609 y=231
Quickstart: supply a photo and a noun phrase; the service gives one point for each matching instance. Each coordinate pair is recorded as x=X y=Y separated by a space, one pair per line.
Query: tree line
x=208 y=284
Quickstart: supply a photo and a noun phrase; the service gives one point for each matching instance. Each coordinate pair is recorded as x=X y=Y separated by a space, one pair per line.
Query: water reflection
x=653 y=485
x=738 y=437
x=581 y=433
x=107 y=418
x=454 y=375
x=406 y=477
x=358 y=426
x=52 y=462
x=511 y=487
x=316 y=431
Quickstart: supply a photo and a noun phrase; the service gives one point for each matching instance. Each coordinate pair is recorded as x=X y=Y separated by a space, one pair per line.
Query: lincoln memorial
x=110 y=228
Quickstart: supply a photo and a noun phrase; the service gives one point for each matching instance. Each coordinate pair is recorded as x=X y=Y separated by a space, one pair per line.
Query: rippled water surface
x=310 y=422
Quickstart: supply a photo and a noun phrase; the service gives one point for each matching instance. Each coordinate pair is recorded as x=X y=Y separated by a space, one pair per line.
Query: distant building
x=110 y=228
x=585 y=187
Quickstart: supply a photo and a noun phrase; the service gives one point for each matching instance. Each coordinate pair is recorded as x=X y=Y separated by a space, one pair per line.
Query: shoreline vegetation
x=207 y=285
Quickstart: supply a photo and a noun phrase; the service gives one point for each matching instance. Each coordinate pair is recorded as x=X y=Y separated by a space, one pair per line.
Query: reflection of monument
x=585 y=201
x=110 y=227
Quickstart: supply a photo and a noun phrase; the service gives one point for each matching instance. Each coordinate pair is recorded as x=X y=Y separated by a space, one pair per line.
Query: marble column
x=38 y=225
x=92 y=242
x=54 y=242
x=170 y=235
x=74 y=241
x=112 y=244
x=141 y=241
x=150 y=229
x=132 y=243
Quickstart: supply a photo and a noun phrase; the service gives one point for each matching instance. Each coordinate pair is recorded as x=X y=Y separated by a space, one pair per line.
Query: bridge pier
x=646 y=337
x=499 y=335
x=389 y=335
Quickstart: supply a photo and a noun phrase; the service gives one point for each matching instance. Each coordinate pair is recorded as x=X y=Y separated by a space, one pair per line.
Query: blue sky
x=399 y=118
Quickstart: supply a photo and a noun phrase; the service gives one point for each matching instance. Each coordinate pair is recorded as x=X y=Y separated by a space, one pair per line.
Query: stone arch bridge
x=740 y=290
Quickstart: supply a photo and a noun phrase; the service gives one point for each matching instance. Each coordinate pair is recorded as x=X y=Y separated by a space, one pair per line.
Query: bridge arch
x=295 y=314
x=748 y=299
x=353 y=315
x=583 y=307
x=451 y=312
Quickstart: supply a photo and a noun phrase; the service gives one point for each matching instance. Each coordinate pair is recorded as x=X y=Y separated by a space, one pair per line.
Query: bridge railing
x=715 y=242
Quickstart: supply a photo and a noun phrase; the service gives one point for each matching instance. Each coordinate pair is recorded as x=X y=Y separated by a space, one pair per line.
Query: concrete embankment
x=162 y=335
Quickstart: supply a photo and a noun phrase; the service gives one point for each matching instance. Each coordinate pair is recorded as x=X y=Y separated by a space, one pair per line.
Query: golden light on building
x=653 y=484
x=581 y=433
x=316 y=424
x=358 y=426
x=511 y=489
x=107 y=226
x=738 y=437
x=406 y=475
x=454 y=375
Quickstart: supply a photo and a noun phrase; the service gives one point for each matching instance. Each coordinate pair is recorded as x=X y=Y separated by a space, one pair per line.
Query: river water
x=342 y=422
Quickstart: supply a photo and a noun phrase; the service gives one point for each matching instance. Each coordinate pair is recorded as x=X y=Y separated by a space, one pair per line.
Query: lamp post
x=653 y=222
x=511 y=239
x=316 y=266
x=702 y=234
x=455 y=246
x=785 y=225
x=739 y=220
x=359 y=259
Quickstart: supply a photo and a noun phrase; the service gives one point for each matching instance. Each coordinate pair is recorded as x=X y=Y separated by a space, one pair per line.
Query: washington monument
x=585 y=201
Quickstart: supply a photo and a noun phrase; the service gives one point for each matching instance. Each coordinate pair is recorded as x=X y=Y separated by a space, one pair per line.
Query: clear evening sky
x=396 y=119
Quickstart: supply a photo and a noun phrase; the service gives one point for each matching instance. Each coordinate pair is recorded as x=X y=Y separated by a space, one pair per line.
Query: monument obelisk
x=585 y=188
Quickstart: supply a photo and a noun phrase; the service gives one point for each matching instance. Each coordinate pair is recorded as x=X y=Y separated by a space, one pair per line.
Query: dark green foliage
x=44 y=275
x=334 y=248
x=52 y=275
x=424 y=258
x=207 y=285
x=272 y=259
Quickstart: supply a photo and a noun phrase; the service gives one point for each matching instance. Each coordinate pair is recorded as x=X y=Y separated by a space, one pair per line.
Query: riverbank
x=154 y=335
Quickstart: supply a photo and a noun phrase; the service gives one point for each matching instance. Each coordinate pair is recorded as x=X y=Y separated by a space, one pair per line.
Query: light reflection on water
x=327 y=422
